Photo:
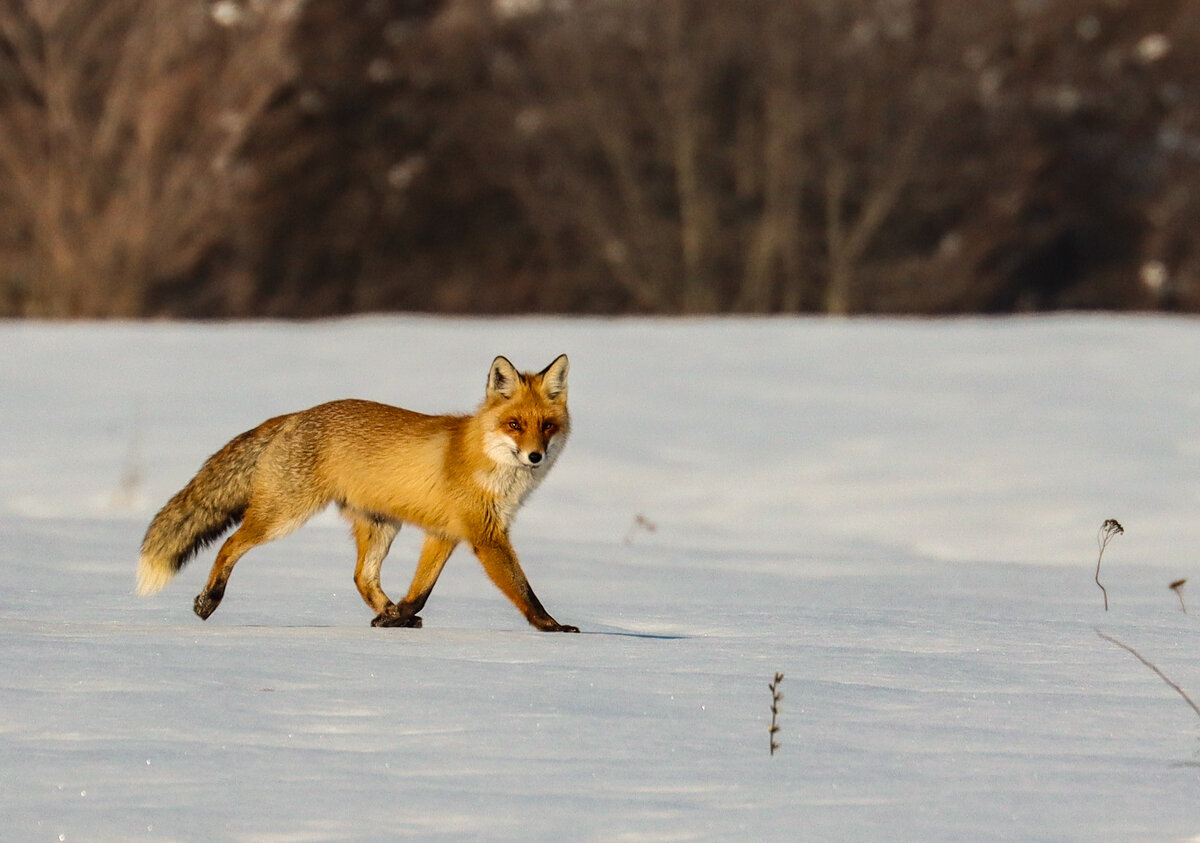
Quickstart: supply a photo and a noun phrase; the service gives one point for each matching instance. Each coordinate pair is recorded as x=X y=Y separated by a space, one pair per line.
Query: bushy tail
x=212 y=502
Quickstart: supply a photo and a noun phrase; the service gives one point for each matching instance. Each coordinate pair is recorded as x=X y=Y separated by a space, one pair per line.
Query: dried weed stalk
x=1177 y=587
x=640 y=522
x=776 y=696
x=1108 y=530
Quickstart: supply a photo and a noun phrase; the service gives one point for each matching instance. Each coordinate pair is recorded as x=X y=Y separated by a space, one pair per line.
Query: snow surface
x=900 y=516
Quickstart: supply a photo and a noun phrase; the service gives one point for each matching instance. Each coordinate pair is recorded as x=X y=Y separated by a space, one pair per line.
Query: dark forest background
x=291 y=158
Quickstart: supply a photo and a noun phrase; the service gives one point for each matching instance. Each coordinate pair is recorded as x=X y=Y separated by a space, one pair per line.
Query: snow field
x=899 y=516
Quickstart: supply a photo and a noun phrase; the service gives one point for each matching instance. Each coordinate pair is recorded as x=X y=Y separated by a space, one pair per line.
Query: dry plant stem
x=131 y=470
x=1177 y=587
x=773 y=729
x=1108 y=529
x=640 y=522
x=1153 y=667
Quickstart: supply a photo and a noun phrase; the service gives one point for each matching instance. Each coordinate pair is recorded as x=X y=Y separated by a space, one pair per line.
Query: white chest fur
x=509 y=485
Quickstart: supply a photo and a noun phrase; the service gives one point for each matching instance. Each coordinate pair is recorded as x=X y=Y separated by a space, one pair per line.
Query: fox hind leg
x=373 y=537
x=231 y=551
x=256 y=529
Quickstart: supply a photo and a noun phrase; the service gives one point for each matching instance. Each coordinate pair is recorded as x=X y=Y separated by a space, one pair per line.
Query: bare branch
x=1153 y=667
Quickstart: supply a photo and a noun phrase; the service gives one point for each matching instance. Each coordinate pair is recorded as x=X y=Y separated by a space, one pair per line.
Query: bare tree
x=121 y=125
x=301 y=157
x=616 y=148
x=879 y=100
x=774 y=271
x=736 y=155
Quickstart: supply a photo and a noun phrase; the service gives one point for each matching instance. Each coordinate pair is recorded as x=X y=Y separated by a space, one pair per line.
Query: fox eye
x=548 y=427
x=514 y=425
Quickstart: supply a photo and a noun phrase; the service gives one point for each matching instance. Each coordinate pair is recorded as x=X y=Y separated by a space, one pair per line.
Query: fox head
x=526 y=414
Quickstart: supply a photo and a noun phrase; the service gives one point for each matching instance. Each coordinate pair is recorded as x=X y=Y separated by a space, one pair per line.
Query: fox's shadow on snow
x=617 y=633
x=657 y=636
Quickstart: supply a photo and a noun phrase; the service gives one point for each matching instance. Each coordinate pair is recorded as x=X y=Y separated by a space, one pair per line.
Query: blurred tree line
x=313 y=157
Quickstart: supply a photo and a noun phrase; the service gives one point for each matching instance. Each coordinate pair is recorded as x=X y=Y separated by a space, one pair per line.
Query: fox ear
x=554 y=378
x=503 y=379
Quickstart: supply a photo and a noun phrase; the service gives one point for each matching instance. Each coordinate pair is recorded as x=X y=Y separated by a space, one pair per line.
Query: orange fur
x=458 y=478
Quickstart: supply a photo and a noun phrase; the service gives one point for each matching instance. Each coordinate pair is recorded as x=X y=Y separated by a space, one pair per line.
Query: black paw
x=393 y=617
x=206 y=604
x=555 y=626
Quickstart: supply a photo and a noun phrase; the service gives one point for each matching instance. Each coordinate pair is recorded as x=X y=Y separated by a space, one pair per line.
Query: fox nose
x=535 y=457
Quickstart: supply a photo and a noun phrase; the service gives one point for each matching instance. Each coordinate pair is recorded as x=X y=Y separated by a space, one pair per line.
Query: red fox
x=458 y=478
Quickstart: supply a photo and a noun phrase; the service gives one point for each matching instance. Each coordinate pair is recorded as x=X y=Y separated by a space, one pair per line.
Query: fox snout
x=531 y=455
x=532 y=458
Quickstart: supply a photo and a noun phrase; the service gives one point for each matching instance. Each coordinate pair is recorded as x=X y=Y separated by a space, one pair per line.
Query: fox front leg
x=500 y=562
x=434 y=553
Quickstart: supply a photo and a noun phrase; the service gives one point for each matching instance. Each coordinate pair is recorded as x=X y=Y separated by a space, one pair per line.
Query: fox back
x=459 y=476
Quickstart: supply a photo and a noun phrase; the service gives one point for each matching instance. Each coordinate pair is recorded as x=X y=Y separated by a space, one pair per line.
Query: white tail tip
x=152 y=576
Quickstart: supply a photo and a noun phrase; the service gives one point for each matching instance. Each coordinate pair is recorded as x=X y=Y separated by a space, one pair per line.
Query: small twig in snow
x=773 y=729
x=1108 y=529
x=1177 y=587
x=126 y=495
x=1153 y=667
x=640 y=522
